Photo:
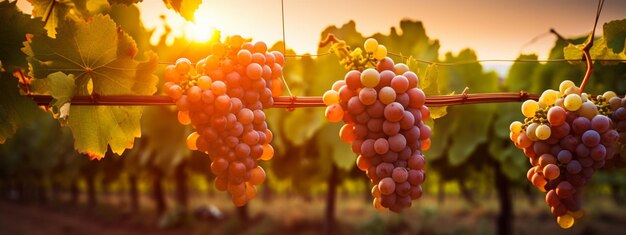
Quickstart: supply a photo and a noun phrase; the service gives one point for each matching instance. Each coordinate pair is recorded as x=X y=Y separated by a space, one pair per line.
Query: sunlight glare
x=202 y=29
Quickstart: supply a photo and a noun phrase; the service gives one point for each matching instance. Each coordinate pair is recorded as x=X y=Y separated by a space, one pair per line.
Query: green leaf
x=439 y=138
x=615 y=35
x=100 y=58
x=574 y=53
x=428 y=81
x=518 y=78
x=62 y=90
x=301 y=124
x=512 y=162
x=470 y=129
x=506 y=114
x=186 y=8
x=14 y=25
x=51 y=12
x=341 y=152
x=601 y=51
x=15 y=109
x=54 y=12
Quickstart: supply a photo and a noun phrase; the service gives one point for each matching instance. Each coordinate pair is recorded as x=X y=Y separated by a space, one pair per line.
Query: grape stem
x=290 y=102
x=589 y=66
x=587 y=47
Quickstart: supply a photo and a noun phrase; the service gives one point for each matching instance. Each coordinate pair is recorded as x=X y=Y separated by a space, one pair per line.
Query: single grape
x=191 y=140
x=548 y=97
x=368 y=96
x=565 y=221
x=556 y=115
x=370 y=45
x=399 y=175
x=400 y=84
x=381 y=146
x=369 y=78
x=387 y=95
x=542 y=132
x=330 y=97
x=516 y=127
x=529 y=108
x=588 y=110
x=386 y=186
x=551 y=171
x=401 y=68
x=572 y=102
x=565 y=85
x=334 y=113
x=394 y=111
x=600 y=123
x=183 y=65
x=380 y=53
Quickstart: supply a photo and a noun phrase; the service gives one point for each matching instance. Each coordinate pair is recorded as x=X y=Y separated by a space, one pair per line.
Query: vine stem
x=589 y=69
x=587 y=48
x=290 y=102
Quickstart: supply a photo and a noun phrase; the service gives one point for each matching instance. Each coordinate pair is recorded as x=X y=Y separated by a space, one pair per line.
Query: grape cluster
x=223 y=97
x=567 y=136
x=384 y=116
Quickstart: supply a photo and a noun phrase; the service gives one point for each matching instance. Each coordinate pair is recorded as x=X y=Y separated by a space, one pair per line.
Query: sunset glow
x=202 y=29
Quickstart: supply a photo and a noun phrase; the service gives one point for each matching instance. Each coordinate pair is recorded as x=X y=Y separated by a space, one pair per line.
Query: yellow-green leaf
x=328 y=139
x=574 y=53
x=301 y=124
x=100 y=59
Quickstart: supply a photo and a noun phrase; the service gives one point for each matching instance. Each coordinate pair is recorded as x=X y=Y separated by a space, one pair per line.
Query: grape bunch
x=223 y=98
x=567 y=136
x=384 y=116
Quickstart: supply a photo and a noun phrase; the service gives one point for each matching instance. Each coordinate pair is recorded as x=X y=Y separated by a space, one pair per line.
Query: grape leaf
x=14 y=26
x=615 y=35
x=100 y=57
x=341 y=152
x=468 y=125
x=302 y=124
x=62 y=88
x=429 y=81
x=51 y=12
x=15 y=109
x=186 y=8
x=169 y=150
x=601 y=51
x=513 y=162
x=54 y=12
x=518 y=77
x=470 y=128
x=574 y=53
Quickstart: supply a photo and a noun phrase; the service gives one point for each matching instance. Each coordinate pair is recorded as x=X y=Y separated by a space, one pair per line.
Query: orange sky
x=495 y=29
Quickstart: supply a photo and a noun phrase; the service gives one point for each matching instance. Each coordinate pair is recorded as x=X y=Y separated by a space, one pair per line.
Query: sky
x=495 y=29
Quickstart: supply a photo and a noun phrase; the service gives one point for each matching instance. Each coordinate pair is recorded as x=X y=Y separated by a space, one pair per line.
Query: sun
x=202 y=29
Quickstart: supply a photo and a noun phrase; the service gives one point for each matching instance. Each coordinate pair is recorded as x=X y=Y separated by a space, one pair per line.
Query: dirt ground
x=294 y=215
